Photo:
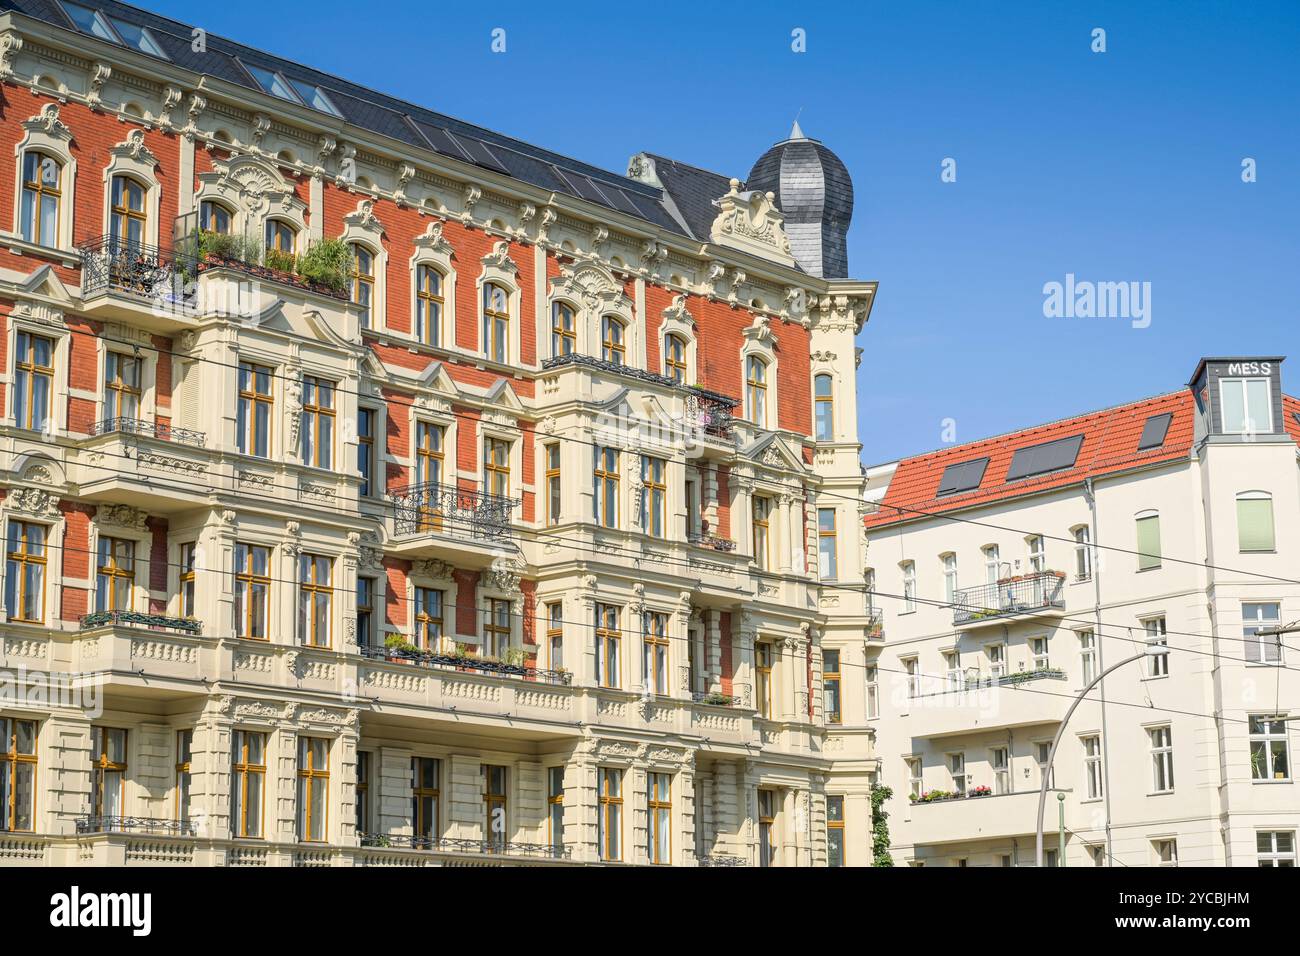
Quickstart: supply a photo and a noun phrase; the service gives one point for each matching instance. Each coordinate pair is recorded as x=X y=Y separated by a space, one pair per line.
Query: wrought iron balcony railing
x=152 y=826
x=131 y=268
x=457 y=512
x=875 y=624
x=465 y=663
x=717 y=700
x=449 y=845
x=159 y=430
x=722 y=860
x=973 y=680
x=1030 y=592
x=706 y=540
x=140 y=619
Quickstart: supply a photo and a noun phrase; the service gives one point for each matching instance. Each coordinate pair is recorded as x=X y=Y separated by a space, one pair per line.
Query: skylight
x=314 y=96
x=962 y=476
x=272 y=82
x=1049 y=456
x=1154 y=431
x=90 y=21
x=137 y=37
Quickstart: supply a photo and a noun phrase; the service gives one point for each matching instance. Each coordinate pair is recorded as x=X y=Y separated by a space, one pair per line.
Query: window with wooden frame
x=496 y=466
x=654 y=495
x=252 y=590
x=495 y=803
x=496 y=628
x=108 y=772
x=188 y=580
x=564 y=338
x=655 y=642
x=248 y=783
x=363 y=280
x=214 y=218
x=827 y=552
x=253 y=414
x=763 y=654
x=366 y=451
x=33 y=381
x=313 y=789
x=428 y=619
x=761 y=510
x=426 y=796
x=824 y=408
x=282 y=240
x=428 y=305
x=25 y=563
x=605 y=477
x=555 y=806
x=675 y=358
x=363 y=793
x=121 y=390
x=429 y=461
x=496 y=323
x=613 y=335
x=42 y=195
x=114 y=574
x=659 y=817
x=767 y=806
x=756 y=390
x=315 y=598
x=555 y=636
x=834 y=830
x=18 y=764
x=127 y=221
x=184 y=748
x=554 y=502
x=610 y=830
x=608 y=645
x=366 y=612
x=317 y=421
x=831 y=686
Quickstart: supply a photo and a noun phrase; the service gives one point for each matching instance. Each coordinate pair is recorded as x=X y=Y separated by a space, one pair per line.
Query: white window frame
x=1082 y=553
x=1274 y=857
x=1157 y=633
x=1161 y=741
x=1257 y=651
x=1094 y=781
x=1268 y=737
x=949 y=577
x=1244 y=383
x=1000 y=764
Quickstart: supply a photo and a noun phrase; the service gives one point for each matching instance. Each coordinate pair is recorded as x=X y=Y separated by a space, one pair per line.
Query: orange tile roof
x=1110 y=440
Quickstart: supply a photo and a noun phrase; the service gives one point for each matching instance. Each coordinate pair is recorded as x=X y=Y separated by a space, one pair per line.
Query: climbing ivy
x=880 y=826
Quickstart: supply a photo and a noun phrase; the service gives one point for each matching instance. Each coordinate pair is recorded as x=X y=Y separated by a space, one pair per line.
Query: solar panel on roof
x=1154 y=431
x=963 y=476
x=1049 y=456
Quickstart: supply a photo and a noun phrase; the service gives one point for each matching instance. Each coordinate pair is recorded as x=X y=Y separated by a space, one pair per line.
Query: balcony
x=1028 y=594
x=465 y=663
x=966 y=819
x=147 y=826
x=431 y=520
x=875 y=626
x=491 y=848
x=711 y=541
x=721 y=860
x=985 y=703
x=159 y=430
x=140 y=619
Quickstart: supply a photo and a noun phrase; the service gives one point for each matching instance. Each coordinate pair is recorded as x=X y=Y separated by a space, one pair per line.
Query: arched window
x=428 y=305
x=675 y=358
x=280 y=242
x=756 y=390
x=41 y=197
x=214 y=217
x=363 y=280
x=564 y=340
x=612 y=347
x=825 y=408
x=496 y=322
x=128 y=220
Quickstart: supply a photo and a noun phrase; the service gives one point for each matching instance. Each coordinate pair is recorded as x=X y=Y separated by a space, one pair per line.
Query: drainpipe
x=1090 y=494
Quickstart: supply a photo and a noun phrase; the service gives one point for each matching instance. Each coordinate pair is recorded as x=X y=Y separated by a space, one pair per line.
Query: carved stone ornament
x=751 y=222
x=47 y=121
x=133 y=148
x=432 y=240
x=121 y=516
x=499 y=258
x=38 y=502
x=504 y=575
x=433 y=568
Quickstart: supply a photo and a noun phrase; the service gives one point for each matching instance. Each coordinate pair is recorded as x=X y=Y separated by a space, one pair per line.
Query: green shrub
x=327 y=262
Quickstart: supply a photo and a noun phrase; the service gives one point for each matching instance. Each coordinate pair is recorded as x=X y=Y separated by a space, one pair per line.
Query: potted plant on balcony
x=980 y=791
x=400 y=649
x=328 y=263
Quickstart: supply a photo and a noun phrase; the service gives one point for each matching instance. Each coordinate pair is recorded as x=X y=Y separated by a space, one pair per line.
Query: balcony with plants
x=1030 y=594
x=465 y=659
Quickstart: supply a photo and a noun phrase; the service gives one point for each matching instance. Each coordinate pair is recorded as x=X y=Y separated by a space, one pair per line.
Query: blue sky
x=1115 y=166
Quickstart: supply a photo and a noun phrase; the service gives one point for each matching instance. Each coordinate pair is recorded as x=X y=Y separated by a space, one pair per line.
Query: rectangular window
x=831 y=685
x=252 y=587
x=1088 y=656
x=1255 y=522
x=957 y=771
x=121 y=390
x=366 y=450
x=1148 y=541
x=25 y=558
x=950 y=578
x=114 y=574
x=248 y=783
x=108 y=772
x=39 y=215
x=1037 y=554
x=496 y=628
x=654 y=495
x=912 y=669
x=555 y=636
x=1162 y=759
x=1276 y=848
x=253 y=414
x=1044 y=750
x=605 y=476
x=824 y=408
x=873 y=692
x=655 y=640
x=763 y=677
x=553 y=499
x=692 y=510
x=315 y=598
x=33 y=381
x=313 y=789
x=659 y=815
x=1157 y=666
x=1270 y=752
x=835 y=830
x=952 y=664
x=366 y=612
x=1001 y=770
x=761 y=509
x=184 y=748
x=17 y=774
x=608 y=645
x=915 y=781
x=426 y=794
x=997 y=655
x=767 y=840
x=496 y=465
x=495 y=804
x=1038 y=649
x=610 y=818
x=1092 y=766
x=1262 y=648
x=1082 y=554
x=1165 y=852
x=187 y=580
x=992 y=564
x=1247 y=408
x=909 y=585
x=363 y=792
x=429 y=619
x=555 y=806
x=827 y=568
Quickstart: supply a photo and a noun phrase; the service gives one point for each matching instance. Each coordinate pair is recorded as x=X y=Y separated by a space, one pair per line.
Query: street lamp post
x=1152 y=650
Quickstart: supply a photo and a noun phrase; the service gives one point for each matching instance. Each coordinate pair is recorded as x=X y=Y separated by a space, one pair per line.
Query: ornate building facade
x=380 y=490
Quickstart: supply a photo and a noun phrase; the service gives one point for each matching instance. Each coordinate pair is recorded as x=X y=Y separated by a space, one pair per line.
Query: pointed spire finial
x=795 y=131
